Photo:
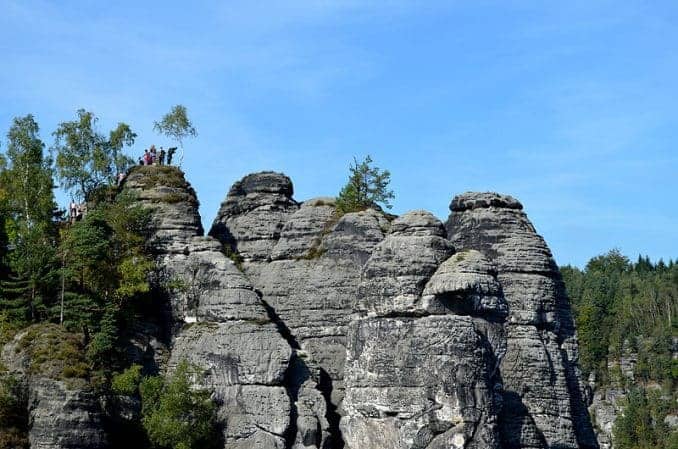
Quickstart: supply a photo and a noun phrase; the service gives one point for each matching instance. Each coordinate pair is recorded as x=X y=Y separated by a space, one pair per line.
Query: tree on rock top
x=367 y=187
x=176 y=125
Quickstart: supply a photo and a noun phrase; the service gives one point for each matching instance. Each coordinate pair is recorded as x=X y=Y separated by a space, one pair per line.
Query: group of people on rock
x=154 y=157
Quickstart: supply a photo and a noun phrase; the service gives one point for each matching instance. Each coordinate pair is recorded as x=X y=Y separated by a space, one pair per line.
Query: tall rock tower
x=543 y=402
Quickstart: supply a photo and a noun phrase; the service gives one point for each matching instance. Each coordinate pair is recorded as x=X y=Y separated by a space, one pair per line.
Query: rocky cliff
x=362 y=331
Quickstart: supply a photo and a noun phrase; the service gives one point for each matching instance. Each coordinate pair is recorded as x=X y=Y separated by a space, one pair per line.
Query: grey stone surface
x=64 y=417
x=543 y=397
x=252 y=217
x=417 y=383
x=242 y=354
x=303 y=231
x=315 y=297
x=465 y=284
x=325 y=332
x=244 y=364
x=208 y=286
x=174 y=202
x=62 y=413
x=606 y=406
x=413 y=379
x=400 y=266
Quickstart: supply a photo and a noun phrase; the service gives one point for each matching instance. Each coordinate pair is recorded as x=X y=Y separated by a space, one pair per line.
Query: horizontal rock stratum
x=360 y=331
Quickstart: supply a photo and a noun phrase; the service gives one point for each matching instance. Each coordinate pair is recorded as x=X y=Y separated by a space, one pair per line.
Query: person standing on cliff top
x=170 y=153
x=72 y=210
x=154 y=155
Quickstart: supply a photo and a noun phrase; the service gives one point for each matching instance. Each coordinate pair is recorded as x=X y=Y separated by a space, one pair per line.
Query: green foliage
x=615 y=301
x=160 y=175
x=106 y=270
x=127 y=382
x=641 y=424
x=86 y=161
x=176 y=125
x=619 y=307
x=367 y=187
x=13 y=414
x=176 y=415
x=235 y=257
x=29 y=269
x=54 y=352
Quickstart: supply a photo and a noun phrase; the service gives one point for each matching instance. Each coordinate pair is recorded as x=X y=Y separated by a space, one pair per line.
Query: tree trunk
x=32 y=307
x=63 y=289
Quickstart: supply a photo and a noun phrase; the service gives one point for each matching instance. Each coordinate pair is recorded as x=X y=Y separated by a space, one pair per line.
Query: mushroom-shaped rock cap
x=465 y=284
x=479 y=200
x=418 y=223
x=263 y=182
x=465 y=271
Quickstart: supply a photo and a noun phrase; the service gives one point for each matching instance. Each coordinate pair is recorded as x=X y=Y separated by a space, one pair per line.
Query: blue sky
x=569 y=106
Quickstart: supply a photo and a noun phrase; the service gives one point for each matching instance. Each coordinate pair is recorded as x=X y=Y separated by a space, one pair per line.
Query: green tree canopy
x=85 y=159
x=28 y=222
x=367 y=187
x=176 y=125
x=177 y=416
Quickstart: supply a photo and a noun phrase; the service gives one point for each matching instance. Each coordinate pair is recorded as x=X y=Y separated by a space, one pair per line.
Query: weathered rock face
x=346 y=297
x=63 y=410
x=348 y=331
x=252 y=217
x=245 y=364
x=241 y=352
x=543 y=405
x=606 y=405
x=419 y=374
x=174 y=202
x=307 y=265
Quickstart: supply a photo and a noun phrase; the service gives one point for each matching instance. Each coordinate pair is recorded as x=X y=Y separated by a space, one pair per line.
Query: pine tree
x=367 y=187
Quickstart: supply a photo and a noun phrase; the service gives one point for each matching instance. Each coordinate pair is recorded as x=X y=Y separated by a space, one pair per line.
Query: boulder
x=253 y=214
x=62 y=407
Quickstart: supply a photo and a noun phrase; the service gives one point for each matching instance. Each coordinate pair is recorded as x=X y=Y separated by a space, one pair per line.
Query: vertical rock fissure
x=336 y=440
x=292 y=381
x=284 y=331
x=292 y=387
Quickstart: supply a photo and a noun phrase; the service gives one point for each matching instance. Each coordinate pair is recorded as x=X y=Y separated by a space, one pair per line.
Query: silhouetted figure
x=170 y=153
x=161 y=157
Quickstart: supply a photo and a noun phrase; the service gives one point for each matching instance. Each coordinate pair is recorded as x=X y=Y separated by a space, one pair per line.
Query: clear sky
x=569 y=106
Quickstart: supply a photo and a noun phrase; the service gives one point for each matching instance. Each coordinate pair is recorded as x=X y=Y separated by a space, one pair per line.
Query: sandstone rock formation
x=320 y=331
x=63 y=409
x=307 y=266
x=419 y=373
x=242 y=353
x=543 y=394
x=252 y=217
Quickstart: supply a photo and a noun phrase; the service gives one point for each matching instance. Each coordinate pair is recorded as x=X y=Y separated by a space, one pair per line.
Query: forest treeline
x=629 y=310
